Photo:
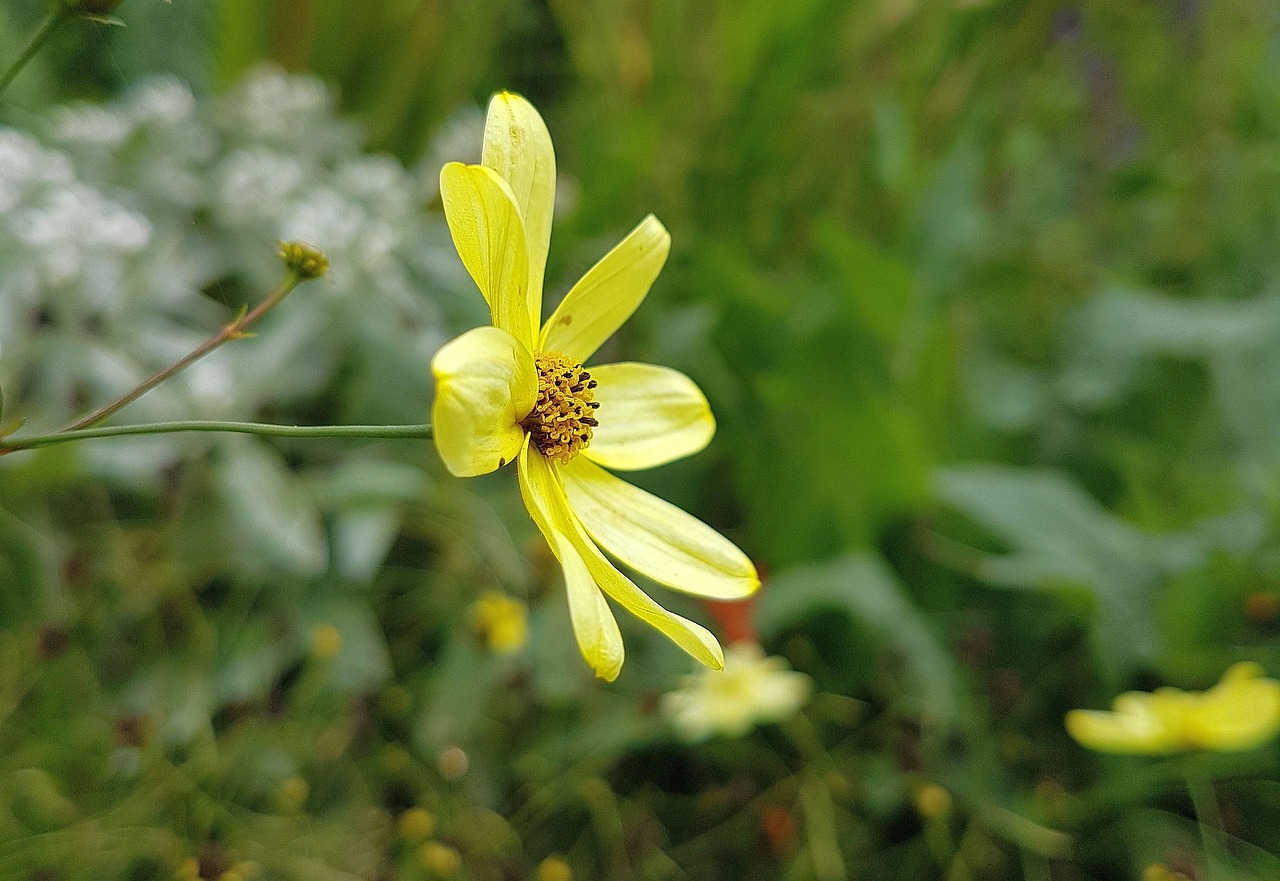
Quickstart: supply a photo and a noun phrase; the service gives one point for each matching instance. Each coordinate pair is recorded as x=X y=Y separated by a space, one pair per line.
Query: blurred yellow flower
x=440 y=860
x=932 y=801
x=1239 y=713
x=501 y=621
x=514 y=392
x=553 y=869
x=415 y=824
x=751 y=689
x=293 y=794
x=326 y=642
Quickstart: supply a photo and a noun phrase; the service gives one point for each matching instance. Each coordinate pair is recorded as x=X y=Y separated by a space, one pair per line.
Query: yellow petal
x=649 y=416
x=544 y=496
x=1240 y=713
x=518 y=147
x=486 y=382
x=594 y=626
x=606 y=296
x=1241 y=672
x=655 y=537
x=488 y=232
x=1137 y=731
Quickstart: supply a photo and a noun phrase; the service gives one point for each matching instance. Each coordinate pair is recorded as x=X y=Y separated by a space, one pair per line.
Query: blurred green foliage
x=984 y=294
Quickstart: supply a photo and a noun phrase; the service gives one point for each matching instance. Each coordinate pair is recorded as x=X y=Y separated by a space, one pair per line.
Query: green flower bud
x=307 y=261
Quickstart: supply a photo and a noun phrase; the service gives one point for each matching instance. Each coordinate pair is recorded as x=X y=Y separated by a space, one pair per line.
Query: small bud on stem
x=305 y=261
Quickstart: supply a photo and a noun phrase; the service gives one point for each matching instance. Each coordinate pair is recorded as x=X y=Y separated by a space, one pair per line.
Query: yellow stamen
x=560 y=423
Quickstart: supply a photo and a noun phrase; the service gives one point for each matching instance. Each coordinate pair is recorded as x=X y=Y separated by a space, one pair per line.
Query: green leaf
x=13 y=426
x=1058 y=538
x=275 y=521
x=864 y=587
x=364 y=662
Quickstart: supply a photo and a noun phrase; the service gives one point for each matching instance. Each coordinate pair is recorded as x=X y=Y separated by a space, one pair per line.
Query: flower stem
x=1209 y=818
x=13 y=444
x=57 y=15
x=235 y=330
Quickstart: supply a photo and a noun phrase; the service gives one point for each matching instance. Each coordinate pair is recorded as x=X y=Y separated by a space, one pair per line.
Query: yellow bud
x=231 y=875
x=293 y=793
x=553 y=869
x=326 y=642
x=501 y=622
x=932 y=801
x=453 y=762
x=395 y=758
x=440 y=860
x=416 y=824
x=305 y=261
x=188 y=870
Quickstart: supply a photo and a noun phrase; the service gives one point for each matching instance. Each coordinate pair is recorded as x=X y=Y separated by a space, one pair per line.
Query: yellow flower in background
x=1239 y=713
x=501 y=621
x=753 y=689
x=514 y=392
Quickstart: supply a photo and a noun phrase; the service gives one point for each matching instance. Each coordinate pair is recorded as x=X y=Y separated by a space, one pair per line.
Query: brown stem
x=235 y=330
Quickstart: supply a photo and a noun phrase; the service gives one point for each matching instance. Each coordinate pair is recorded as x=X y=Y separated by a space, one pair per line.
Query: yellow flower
x=752 y=689
x=326 y=642
x=514 y=392
x=501 y=621
x=415 y=824
x=1239 y=713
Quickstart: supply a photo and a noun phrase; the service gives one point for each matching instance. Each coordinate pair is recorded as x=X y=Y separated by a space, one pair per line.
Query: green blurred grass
x=981 y=294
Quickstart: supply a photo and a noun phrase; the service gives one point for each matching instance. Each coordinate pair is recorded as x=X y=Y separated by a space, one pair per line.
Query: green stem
x=57 y=15
x=234 y=330
x=1209 y=818
x=413 y=432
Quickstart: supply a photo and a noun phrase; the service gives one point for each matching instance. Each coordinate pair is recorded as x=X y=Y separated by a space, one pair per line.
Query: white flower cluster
x=751 y=690
x=122 y=224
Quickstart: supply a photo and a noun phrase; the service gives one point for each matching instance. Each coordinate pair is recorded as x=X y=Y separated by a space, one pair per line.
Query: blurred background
x=985 y=295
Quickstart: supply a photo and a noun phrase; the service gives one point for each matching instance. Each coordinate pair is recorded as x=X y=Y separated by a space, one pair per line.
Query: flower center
x=560 y=423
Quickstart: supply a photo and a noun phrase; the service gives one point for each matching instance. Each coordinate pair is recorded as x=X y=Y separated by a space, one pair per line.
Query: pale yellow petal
x=649 y=416
x=544 y=492
x=1140 y=723
x=518 y=147
x=611 y=290
x=594 y=626
x=1241 y=712
x=1241 y=672
x=655 y=537
x=486 y=382
x=1129 y=733
x=489 y=235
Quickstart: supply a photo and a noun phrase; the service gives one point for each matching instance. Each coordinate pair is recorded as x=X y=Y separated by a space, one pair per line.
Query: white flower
x=751 y=690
